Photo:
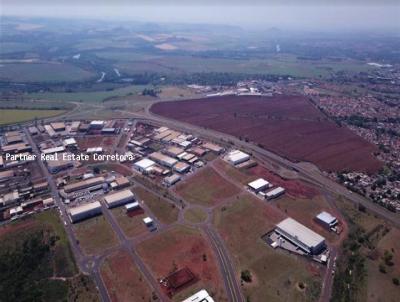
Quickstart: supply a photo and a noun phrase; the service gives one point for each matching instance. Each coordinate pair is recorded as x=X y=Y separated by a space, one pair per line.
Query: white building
x=163 y=159
x=132 y=206
x=144 y=165
x=326 y=220
x=201 y=296
x=301 y=236
x=237 y=157
x=259 y=185
x=148 y=221
x=119 y=198
x=84 y=211
x=274 y=193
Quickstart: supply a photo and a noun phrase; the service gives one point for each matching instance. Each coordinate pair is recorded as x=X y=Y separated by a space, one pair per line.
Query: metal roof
x=326 y=217
x=201 y=296
x=144 y=163
x=84 y=208
x=258 y=184
x=300 y=232
x=119 y=196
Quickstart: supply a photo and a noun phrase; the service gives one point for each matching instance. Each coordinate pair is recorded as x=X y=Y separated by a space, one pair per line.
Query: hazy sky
x=300 y=14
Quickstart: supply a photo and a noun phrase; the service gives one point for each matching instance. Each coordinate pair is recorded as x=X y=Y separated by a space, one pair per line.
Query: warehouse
x=326 y=220
x=75 y=126
x=274 y=193
x=163 y=159
x=201 y=296
x=70 y=143
x=171 y=180
x=237 y=157
x=84 y=184
x=13 y=137
x=55 y=166
x=181 y=167
x=148 y=221
x=213 y=147
x=301 y=236
x=16 y=148
x=173 y=151
x=144 y=165
x=58 y=126
x=50 y=131
x=96 y=125
x=132 y=206
x=53 y=150
x=119 y=198
x=259 y=185
x=85 y=211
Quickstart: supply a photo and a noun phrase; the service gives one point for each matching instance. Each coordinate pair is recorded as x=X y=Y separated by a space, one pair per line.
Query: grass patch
x=10 y=116
x=166 y=212
x=132 y=226
x=95 y=235
x=195 y=215
x=206 y=188
x=275 y=274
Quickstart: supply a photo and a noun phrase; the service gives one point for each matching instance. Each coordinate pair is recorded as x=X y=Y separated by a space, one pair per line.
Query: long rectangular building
x=84 y=184
x=119 y=198
x=163 y=159
x=301 y=236
x=84 y=211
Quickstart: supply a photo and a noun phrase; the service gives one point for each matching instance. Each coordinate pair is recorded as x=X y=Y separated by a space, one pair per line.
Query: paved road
x=82 y=261
x=228 y=273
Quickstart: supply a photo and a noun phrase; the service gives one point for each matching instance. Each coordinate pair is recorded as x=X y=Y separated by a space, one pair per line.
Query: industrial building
x=237 y=157
x=53 y=150
x=16 y=148
x=301 y=236
x=201 y=296
x=173 y=151
x=148 y=221
x=55 y=166
x=171 y=180
x=144 y=165
x=258 y=185
x=119 y=198
x=132 y=206
x=326 y=220
x=213 y=147
x=274 y=193
x=84 y=211
x=163 y=159
x=181 y=167
x=60 y=126
x=96 y=125
x=84 y=184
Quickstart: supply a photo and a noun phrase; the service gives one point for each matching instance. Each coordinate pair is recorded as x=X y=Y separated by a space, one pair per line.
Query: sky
x=300 y=14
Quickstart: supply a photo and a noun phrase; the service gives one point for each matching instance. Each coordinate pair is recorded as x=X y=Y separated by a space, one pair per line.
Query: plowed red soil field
x=287 y=125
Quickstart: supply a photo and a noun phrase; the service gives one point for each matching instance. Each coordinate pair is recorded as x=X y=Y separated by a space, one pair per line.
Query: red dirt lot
x=287 y=125
x=123 y=280
x=183 y=247
x=293 y=187
x=95 y=141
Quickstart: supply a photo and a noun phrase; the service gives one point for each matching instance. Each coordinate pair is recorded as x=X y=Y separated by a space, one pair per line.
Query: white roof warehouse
x=301 y=236
x=84 y=211
x=119 y=198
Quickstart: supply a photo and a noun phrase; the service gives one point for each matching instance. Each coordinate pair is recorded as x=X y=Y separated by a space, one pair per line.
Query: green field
x=10 y=116
x=277 y=65
x=95 y=235
x=161 y=208
x=37 y=263
x=90 y=96
x=195 y=215
x=275 y=274
x=43 y=72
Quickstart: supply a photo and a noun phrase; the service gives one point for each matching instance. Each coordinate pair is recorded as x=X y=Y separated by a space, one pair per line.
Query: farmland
x=123 y=280
x=43 y=72
x=287 y=125
x=11 y=116
x=206 y=188
x=275 y=274
x=37 y=263
x=86 y=96
x=184 y=247
x=95 y=235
